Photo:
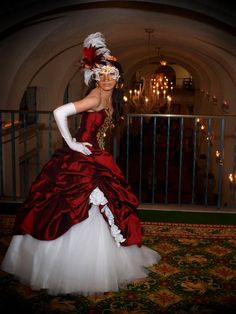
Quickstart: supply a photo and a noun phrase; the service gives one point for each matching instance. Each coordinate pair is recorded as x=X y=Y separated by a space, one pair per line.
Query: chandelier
x=160 y=57
x=150 y=93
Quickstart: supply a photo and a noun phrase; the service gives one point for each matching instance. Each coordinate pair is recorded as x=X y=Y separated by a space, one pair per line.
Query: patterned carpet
x=197 y=274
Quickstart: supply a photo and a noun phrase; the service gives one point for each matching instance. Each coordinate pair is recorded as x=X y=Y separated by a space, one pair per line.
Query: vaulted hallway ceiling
x=41 y=42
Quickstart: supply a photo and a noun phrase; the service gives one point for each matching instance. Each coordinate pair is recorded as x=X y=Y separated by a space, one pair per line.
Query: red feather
x=90 y=56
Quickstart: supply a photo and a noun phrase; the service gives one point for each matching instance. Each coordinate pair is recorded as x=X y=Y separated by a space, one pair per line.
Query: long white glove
x=60 y=114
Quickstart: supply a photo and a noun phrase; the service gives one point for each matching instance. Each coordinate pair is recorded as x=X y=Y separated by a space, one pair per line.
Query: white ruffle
x=97 y=198
x=115 y=231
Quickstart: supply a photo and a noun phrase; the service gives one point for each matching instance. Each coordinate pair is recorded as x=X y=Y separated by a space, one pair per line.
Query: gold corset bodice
x=102 y=132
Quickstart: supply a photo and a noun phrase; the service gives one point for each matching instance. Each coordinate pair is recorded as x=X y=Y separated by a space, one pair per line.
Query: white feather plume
x=87 y=75
x=97 y=40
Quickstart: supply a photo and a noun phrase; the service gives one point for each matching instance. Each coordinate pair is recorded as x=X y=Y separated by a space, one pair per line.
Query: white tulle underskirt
x=85 y=260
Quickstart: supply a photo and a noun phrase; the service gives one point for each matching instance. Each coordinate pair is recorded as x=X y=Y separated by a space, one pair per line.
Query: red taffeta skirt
x=78 y=231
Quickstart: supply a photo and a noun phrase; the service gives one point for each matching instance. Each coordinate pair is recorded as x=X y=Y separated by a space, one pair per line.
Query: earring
x=117 y=85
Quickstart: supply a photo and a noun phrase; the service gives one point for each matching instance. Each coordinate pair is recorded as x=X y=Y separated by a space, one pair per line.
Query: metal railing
x=168 y=159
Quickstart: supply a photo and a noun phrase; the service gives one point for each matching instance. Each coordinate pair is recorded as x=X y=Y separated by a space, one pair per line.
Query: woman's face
x=106 y=76
x=107 y=84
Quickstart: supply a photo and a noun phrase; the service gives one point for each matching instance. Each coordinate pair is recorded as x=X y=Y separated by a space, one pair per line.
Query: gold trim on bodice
x=101 y=134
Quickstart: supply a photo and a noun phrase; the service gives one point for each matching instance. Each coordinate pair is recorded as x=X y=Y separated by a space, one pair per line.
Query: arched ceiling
x=40 y=37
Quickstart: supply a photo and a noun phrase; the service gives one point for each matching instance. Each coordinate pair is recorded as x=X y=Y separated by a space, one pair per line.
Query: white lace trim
x=97 y=198
x=115 y=231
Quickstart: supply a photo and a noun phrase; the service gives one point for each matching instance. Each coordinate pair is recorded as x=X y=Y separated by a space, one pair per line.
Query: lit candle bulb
x=168 y=99
x=130 y=93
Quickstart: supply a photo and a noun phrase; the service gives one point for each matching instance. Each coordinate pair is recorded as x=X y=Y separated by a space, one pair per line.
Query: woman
x=78 y=230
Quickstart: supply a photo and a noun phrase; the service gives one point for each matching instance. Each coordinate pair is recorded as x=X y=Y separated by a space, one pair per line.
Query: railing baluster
x=127 y=148
x=221 y=165
x=37 y=145
x=234 y=152
x=180 y=159
x=140 y=158
x=1 y=160
x=208 y=159
x=25 y=153
x=154 y=159
x=13 y=155
x=234 y=169
x=194 y=160
x=167 y=159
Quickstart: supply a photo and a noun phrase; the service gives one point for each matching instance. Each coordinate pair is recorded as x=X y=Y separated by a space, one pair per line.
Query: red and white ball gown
x=78 y=230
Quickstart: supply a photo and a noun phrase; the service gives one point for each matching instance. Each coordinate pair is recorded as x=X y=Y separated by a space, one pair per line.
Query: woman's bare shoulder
x=94 y=93
x=89 y=103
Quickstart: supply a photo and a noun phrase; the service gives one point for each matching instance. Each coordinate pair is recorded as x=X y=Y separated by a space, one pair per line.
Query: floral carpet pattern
x=197 y=274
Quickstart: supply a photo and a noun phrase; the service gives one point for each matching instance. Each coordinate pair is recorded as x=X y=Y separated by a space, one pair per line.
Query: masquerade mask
x=106 y=72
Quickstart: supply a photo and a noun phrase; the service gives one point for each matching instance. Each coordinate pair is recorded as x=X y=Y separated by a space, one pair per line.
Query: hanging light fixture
x=152 y=91
x=160 y=57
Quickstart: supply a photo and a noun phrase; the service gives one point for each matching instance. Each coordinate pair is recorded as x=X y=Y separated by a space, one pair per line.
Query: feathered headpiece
x=93 y=53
